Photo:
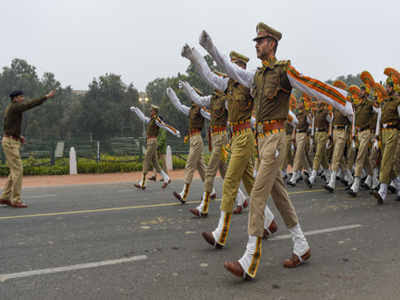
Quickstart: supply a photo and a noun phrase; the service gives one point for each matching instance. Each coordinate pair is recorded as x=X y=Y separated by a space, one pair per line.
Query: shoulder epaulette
x=283 y=62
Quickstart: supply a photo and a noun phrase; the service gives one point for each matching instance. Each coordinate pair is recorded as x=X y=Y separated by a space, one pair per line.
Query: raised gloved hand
x=206 y=41
x=187 y=52
x=133 y=108
x=171 y=93
x=180 y=84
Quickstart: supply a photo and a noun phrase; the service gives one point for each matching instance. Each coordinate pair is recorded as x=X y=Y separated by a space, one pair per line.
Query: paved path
x=110 y=241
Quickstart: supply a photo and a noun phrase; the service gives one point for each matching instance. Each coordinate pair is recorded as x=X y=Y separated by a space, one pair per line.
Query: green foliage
x=107 y=164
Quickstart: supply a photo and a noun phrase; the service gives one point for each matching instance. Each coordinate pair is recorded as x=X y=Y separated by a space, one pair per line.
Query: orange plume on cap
x=394 y=75
x=368 y=80
x=380 y=92
x=340 y=84
x=354 y=92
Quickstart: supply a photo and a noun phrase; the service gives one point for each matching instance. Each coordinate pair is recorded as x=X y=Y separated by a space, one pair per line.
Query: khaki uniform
x=396 y=167
x=219 y=117
x=13 y=186
x=287 y=153
x=151 y=157
x=340 y=125
x=374 y=152
x=321 y=138
x=390 y=123
x=11 y=144
x=195 y=159
x=271 y=93
x=363 y=113
x=300 y=159
x=240 y=167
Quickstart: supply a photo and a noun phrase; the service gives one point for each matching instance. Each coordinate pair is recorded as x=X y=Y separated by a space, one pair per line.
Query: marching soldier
x=240 y=167
x=218 y=140
x=272 y=84
x=320 y=132
x=340 y=127
x=195 y=159
x=364 y=111
x=151 y=158
x=288 y=150
x=372 y=181
x=12 y=142
x=300 y=137
x=162 y=153
x=390 y=119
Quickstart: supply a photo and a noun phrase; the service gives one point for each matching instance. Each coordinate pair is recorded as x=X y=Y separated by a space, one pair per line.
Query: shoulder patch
x=284 y=64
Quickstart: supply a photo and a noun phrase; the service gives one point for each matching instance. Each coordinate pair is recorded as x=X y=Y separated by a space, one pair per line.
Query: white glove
x=353 y=144
x=180 y=84
x=133 y=108
x=376 y=145
x=187 y=52
x=178 y=134
x=170 y=93
x=206 y=41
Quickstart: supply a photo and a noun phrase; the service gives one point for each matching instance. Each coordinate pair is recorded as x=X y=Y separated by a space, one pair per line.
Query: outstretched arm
x=242 y=76
x=320 y=90
x=140 y=114
x=160 y=123
x=28 y=104
x=217 y=82
x=176 y=102
x=192 y=94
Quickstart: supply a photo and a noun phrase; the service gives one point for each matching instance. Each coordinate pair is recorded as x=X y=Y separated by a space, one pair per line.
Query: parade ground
x=82 y=240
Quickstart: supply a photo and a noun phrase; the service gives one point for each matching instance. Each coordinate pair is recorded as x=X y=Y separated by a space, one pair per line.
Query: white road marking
x=42 y=196
x=319 y=231
x=4 y=277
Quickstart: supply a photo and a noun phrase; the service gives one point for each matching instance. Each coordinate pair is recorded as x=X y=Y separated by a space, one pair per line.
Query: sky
x=142 y=40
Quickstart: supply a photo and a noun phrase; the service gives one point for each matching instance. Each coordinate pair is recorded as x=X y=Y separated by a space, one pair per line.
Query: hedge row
x=107 y=164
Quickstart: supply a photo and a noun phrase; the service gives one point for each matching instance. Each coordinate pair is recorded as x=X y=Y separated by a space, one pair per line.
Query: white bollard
x=169 y=163
x=73 y=170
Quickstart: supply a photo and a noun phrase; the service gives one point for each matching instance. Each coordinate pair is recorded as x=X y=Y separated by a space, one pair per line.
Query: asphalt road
x=114 y=242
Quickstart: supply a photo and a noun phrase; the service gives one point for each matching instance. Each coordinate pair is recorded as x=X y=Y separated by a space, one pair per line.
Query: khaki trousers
x=240 y=168
x=287 y=153
x=389 y=144
x=396 y=167
x=13 y=185
x=339 y=142
x=320 y=157
x=364 y=138
x=151 y=157
x=216 y=161
x=373 y=156
x=269 y=182
x=195 y=160
x=300 y=159
x=350 y=155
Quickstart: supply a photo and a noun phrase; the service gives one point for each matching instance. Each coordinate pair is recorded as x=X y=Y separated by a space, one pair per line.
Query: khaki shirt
x=271 y=91
x=152 y=128
x=13 y=115
x=240 y=102
x=196 y=120
x=363 y=114
x=389 y=110
x=219 y=113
